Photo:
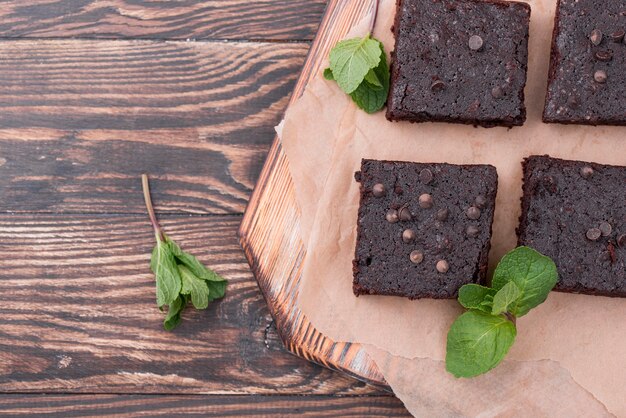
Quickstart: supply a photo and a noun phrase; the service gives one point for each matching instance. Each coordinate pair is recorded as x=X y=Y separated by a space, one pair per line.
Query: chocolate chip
x=442 y=214
x=618 y=35
x=586 y=172
x=442 y=266
x=600 y=76
x=594 y=234
x=604 y=55
x=473 y=213
x=408 y=235
x=573 y=102
x=605 y=228
x=378 y=190
x=416 y=257
x=595 y=37
x=475 y=42
x=472 y=231
x=497 y=92
x=437 y=85
x=473 y=107
x=621 y=240
x=392 y=216
x=480 y=202
x=426 y=201
x=426 y=176
x=405 y=214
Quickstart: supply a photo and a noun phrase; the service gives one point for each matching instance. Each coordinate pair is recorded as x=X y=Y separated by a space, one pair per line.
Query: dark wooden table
x=93 y=93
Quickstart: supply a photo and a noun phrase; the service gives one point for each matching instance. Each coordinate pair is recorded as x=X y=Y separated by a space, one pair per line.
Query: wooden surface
x=270 y=231
x=94 y=93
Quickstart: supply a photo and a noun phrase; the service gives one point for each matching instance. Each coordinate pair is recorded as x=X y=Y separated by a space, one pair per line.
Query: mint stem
x=153 y=220
x=510 y=317
x=374 y=16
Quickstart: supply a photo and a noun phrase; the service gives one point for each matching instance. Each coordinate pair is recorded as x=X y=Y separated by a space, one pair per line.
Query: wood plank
x=273 y=217
x=201 y=20
x=213 y=406
x=81 y=120
x=79 y=314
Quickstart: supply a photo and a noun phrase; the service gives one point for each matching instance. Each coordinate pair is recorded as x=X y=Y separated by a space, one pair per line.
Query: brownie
x=459 y=61
x=575 y=213
x=587 y=78
x=423 y=230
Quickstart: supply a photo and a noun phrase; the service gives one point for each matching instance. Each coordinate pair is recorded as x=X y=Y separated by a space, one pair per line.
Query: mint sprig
x=180 y=277
x=479 y=339
x=359 y=66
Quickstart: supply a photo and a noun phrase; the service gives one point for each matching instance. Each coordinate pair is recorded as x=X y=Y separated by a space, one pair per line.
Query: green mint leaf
x=167 y=277
x=474 y=296
x=351 y=60
x=372 y=79
x=534 y=274
x=372 y=98
x=193 y=264
x=477 y=342
x=173 y=317
x=328 y=74
x=195 y=287
x=505 y=298
x=216 y=289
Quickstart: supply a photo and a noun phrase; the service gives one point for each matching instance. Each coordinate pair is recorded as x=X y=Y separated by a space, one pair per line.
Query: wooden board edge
x=275 y=256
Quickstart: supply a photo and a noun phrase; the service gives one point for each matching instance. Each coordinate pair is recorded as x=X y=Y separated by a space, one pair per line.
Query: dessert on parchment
x=588 y=64
x=423 y=230
x=460 y=61
x=575 y=213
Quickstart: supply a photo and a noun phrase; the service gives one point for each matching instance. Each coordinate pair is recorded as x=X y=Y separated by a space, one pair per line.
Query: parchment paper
x=583 y=337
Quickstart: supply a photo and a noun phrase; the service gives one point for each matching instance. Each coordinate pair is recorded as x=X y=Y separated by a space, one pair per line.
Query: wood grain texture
x=212 y=406
x=81 y=120
x=272 y=217
x=181 y=19
x=79 y=314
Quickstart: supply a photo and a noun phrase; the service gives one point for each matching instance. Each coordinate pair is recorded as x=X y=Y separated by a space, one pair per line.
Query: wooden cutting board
x=270 y=230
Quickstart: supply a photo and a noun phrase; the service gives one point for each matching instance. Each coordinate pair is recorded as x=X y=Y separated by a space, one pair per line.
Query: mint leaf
x=534 y=274
x=193 y=264
x=372 y=79
x=195 y=287
x=369 y=97
x=166 y=274
x=505 y=298
x=173 y=317
x=477 y=342
x=474 y=296
x=216 y=289
x=351 y=60
x=180 y=276
x=328 y=74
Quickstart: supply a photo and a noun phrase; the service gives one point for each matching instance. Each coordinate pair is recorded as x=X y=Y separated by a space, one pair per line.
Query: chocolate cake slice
x=423 y=230
x=459 y=61
x=588 y=64
x=575 y=213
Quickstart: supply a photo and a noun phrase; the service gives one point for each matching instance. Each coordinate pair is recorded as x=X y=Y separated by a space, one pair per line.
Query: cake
x=586 y=82
x=423 y=229
x=575 y=213
x=460 y=61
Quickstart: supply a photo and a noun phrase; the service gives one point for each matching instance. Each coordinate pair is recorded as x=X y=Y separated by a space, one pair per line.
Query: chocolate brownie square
x=575 y=213
x=586 y=82
x=459 y=61
x=423 y=230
